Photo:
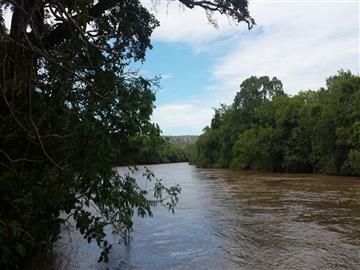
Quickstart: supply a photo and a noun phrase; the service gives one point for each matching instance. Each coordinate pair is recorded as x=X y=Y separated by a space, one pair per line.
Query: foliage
x=150 y=150
x=70 y=107
x=256 y=149
x=310 y=132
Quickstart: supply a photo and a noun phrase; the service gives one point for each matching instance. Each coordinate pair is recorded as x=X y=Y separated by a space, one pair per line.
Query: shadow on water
x=236 y=220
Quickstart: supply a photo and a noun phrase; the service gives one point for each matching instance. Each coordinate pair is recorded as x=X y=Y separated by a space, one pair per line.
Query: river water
x=236 y=220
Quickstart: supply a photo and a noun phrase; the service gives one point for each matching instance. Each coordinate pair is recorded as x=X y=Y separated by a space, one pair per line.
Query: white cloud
x=191 y=26
x=310 y=43
x=300 y=42
x=7 y=17
x=177 y=118
x=165 y=76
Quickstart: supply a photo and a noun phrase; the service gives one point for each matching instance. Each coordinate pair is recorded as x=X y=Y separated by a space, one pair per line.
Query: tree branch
x=237 y=9
x=60 y=33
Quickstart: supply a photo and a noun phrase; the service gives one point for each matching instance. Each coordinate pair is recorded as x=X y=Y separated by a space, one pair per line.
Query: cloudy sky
x=300 y=42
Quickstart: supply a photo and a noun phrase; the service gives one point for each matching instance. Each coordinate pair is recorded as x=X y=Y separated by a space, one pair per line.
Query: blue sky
x=301 y=42
x=184 y=73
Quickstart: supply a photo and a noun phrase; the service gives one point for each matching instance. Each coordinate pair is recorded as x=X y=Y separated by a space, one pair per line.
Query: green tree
x=264 y=129
x=215 y=147
x=253 y=92
x=257 y=149
x=207 y=147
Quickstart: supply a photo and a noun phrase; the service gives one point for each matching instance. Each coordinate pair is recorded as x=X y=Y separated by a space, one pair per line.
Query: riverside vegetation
x=150 y=150
x=266 y=129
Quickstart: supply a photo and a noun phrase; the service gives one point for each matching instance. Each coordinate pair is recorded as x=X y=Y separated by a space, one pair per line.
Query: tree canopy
x=69 y=106
x=265 y=129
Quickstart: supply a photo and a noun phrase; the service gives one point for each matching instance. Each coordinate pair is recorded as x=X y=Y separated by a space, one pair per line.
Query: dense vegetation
x=149 y=150
x=265 y=129
x=69 y=107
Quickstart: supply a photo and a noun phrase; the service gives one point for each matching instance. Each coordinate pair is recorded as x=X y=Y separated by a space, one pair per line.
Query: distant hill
x=182 y=140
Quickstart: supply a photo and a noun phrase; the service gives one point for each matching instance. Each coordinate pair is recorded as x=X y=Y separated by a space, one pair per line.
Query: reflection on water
x=237 y=220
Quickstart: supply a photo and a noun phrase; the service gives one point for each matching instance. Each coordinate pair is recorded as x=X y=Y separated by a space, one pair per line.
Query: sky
x=300 y=42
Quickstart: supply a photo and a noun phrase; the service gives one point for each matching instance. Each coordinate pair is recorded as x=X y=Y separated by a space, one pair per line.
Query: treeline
x=144 y=149
x=266 y=129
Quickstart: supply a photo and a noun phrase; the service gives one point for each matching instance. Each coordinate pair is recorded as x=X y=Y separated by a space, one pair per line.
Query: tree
x=264 y=129
x=68 y=98
x=254 y=91
x=257 y=149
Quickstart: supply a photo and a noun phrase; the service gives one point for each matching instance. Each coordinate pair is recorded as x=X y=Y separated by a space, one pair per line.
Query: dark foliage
x=149 y=150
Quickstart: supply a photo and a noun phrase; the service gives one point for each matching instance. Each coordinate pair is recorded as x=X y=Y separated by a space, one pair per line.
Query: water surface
x=237 y=220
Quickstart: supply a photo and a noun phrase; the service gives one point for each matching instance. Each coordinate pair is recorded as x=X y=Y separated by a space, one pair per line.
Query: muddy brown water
x=236 y=220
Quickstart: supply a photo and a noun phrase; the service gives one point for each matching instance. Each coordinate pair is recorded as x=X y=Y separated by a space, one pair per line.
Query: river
x=237 y=220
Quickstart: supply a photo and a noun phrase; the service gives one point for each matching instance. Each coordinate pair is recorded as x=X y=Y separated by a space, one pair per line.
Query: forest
x=268 y=130
x=143 y=149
